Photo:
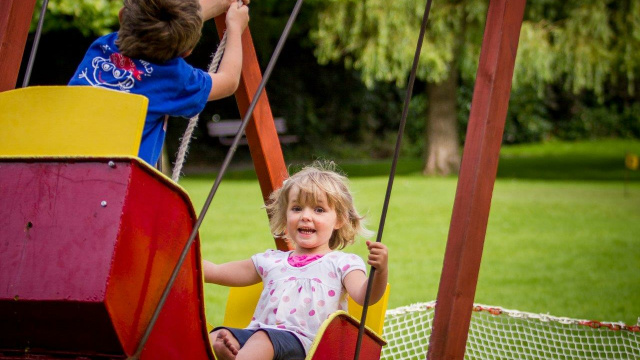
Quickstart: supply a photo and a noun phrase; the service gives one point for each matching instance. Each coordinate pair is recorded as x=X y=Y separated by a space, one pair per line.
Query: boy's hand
x=378 y=255
x=237 y=17
x=213 y=8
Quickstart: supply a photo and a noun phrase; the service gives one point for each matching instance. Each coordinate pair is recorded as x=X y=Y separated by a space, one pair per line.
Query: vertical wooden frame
x=15 y=18
x=261 y=133
x=477 y=177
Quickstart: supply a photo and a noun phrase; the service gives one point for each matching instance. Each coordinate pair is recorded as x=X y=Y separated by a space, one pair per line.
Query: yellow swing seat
x=336 y=338
x=98 y=226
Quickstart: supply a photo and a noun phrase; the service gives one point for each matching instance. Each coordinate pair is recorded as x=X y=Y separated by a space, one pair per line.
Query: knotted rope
x=193 y=122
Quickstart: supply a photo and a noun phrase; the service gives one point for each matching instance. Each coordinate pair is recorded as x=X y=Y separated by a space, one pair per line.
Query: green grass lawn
x=563 y=237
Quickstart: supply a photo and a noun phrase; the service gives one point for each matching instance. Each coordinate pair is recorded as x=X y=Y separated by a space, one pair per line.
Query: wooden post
x=477 y=176
x=15 y=17
x=261 y=133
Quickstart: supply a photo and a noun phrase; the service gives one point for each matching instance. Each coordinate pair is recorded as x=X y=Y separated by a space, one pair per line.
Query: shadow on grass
x=532 y=168
x=602 y=160
x=586 y=161
x=566 y=168
x=353 y=169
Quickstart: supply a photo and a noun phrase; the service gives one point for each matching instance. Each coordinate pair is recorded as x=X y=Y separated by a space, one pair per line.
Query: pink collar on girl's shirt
x=302 y=260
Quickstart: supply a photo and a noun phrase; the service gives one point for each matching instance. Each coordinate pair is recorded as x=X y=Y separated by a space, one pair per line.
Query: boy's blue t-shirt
x=173 y=88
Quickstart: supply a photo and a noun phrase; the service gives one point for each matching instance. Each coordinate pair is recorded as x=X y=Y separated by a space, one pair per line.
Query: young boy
x=146 y=57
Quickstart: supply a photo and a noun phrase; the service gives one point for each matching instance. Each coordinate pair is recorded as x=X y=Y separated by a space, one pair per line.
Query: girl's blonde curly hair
x=314 y=180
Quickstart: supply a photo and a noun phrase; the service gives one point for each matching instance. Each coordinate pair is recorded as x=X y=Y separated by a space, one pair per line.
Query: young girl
x=314 y=210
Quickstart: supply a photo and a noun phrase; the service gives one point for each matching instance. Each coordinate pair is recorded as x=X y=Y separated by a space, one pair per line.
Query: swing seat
x=336 y=338
x=90 y=233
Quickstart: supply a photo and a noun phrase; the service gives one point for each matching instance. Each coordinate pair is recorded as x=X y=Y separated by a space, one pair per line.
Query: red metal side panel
x=156 y=223
x=85 y=252
x=261 y=133
x=339 y=342
x=56 y=247
x=180 y=332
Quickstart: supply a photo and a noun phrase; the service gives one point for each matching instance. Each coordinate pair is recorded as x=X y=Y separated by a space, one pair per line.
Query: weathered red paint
x=15 y=18
x=85 y=252
x=339 y=341
x=477 y=177
x=261 y=133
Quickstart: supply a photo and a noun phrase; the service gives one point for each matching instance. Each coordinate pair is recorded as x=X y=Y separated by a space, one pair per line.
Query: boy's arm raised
x=226 y=80
x=234 y=273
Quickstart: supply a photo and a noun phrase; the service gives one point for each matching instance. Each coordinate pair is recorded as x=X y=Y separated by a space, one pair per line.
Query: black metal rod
x=394 y=163
x=34 y=47
x=216 y=184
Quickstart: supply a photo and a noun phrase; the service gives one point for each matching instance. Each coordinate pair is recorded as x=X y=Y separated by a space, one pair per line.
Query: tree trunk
x=442 y=150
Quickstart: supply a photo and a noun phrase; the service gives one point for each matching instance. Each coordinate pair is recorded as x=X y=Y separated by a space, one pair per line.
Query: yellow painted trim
x=242 y=301
x=241 y=304
x=375 y=313
x=70 y=121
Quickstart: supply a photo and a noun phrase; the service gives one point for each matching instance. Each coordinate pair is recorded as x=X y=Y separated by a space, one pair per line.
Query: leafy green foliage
x=569 y=53
x=576 y=76
x=536 y=57
x=601 y=121
x=583 y=44
x=91 y=17
x=588 y=44
x=527 y=119
x=379 y=37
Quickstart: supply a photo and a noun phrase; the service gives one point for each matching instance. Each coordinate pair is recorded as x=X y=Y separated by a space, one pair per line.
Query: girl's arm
x=235 y=273
x=356 y=281
x=213 y=8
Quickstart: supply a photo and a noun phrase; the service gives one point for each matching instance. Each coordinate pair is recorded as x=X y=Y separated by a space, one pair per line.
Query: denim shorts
x=286 y=345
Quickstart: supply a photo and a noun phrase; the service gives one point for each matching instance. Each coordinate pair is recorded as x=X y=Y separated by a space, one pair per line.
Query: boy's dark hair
x=159 y=30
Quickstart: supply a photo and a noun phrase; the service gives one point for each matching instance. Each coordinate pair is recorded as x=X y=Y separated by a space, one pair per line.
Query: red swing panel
x=86 y=250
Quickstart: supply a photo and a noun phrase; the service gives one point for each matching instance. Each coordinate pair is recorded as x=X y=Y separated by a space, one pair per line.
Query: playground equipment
x=339 y=331
x=87 y=241
x=84 y=260
x=106 y=300
x=85 y=233
x=496 y=333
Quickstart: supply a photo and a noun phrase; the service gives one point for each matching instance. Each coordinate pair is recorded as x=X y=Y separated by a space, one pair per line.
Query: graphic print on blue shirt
x=115 y=71
x=173 y=88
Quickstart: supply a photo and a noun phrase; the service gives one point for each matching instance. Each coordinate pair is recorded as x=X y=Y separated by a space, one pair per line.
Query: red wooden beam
x=15 y=17
x=261 y=133
x=477 y=177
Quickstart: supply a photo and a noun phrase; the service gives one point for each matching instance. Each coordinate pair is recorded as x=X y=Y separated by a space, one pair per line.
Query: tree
x=90 y=17
x=566 y=49
x=585 y=45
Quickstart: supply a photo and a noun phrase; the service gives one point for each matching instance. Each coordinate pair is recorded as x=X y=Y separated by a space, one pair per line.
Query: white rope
x=193 y=122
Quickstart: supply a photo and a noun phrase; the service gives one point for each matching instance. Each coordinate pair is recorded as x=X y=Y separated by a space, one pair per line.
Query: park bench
x=226 y=130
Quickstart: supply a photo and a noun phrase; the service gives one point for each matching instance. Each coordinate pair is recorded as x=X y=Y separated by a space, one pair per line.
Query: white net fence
x=497 y=333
